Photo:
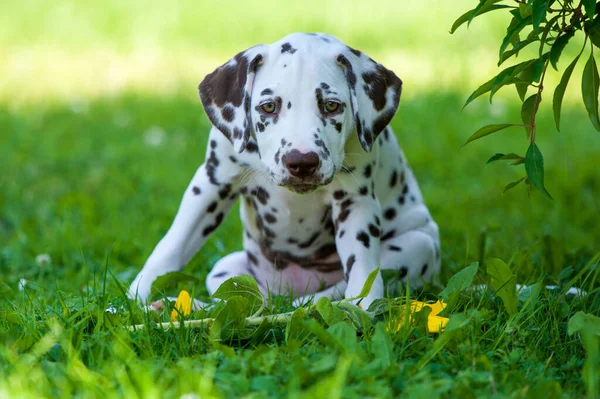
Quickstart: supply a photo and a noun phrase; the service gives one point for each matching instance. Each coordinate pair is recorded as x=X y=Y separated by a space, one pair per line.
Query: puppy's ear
x=225 y=95
x=375 y=93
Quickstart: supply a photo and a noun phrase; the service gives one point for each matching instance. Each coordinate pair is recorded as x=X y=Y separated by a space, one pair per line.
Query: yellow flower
x=183 y=305
x=435 y=323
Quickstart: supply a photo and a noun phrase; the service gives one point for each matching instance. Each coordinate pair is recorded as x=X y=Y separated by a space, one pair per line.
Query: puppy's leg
x=203 y=208
x=414 y=254
x=358 y=230
x=235 y=264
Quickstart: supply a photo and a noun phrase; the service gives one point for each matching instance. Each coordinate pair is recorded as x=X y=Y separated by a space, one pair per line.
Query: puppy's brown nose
x=300 y=164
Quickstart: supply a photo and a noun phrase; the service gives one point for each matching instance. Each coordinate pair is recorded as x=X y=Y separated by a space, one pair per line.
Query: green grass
x=92 y=173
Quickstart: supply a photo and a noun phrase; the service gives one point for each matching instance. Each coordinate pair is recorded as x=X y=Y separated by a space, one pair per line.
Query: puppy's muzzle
x=301 y=165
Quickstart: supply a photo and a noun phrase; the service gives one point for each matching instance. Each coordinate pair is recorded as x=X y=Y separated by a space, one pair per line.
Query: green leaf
x=346 y=334
x=503 y=157
x=558 y=46
x=330 y=314
x=368 y=283
x=527 y=110
x=482 y=4
x=484 y=88
x=511 y=185
x=582 y=323
x=332 y=342
x=534 y=166
x=382 y=346
x=516 y=48
x=509 y=76
x=590 y=8
x=588 y=327
x=547 y=29
x=468 y=16
x=529 y=296
x=523 y=80
x=330 y=385
x=589 y=90
x=243 y=286
x=559 y=92
x=502 y=280
x=592 y=28
x=524 y=10
x=537 y=67
x=495 y=157
x=380 y=306
x=234 y=313
x=487 y=130
x=356 y=314
x=517 y=24
x=538 y=11
x=521 y=90
x=295 y=328
x=460 y=281
x=505 y=74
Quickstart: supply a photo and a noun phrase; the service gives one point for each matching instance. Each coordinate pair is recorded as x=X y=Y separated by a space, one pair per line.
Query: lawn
x=101 y=130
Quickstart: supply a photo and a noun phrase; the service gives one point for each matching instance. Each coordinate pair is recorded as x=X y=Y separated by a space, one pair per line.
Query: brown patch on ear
x=377 y=83
x=225 y=84
x=375 y=105
x=225 y=92
x=228 y=113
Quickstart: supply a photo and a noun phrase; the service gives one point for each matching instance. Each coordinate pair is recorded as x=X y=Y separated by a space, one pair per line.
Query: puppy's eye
x=269 y=107
x=331 y=106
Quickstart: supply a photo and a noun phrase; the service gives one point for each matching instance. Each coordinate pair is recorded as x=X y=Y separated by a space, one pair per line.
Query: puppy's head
x=301 y=99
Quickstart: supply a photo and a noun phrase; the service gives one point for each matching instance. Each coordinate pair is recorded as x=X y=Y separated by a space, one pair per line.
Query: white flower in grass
x=154 y=136
x=112 y=310
x=43 y=259
x=22 y=284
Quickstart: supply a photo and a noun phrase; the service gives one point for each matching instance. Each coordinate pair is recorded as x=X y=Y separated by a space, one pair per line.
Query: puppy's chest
x=281 y=221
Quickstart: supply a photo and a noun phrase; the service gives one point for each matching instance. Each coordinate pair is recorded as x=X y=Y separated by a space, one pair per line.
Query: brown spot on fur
x=252 y=258
x=363 y=237
x=228 y=113
x=287 y=48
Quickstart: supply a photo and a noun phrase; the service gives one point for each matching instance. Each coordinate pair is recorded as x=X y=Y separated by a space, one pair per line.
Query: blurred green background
x=101 y=130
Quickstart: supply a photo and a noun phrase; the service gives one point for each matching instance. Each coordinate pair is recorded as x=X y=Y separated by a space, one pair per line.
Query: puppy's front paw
x=377 y=291
x=140 y=289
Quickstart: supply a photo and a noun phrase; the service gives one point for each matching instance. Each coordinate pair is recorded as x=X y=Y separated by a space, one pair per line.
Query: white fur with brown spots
x=300 y=134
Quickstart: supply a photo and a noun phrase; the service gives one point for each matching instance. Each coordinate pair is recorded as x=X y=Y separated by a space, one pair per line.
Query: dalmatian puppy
x=301 y=136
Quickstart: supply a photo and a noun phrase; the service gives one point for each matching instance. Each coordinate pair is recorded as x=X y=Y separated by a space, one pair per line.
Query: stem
x=250 y=321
